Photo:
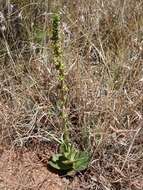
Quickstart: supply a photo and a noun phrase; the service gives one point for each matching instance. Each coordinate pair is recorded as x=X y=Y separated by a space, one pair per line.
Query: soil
x=24 y=171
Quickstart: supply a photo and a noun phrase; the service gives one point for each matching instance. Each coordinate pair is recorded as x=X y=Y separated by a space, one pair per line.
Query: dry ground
x=103 y=55
x=27 y=169
x=25 y=172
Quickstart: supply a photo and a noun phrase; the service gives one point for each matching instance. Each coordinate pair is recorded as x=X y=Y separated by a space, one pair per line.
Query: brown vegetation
x=103 y=55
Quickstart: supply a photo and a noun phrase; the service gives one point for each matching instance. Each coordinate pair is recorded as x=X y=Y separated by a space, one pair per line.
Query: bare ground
x=20 y=171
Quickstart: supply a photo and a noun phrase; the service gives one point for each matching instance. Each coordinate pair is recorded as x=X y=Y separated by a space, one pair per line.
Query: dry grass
x=103 y=52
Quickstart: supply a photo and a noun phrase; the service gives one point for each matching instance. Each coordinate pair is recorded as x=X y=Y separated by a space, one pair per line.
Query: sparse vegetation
x=80 y=86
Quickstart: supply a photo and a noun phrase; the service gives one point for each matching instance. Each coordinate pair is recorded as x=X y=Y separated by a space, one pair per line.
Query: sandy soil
x=26 y=172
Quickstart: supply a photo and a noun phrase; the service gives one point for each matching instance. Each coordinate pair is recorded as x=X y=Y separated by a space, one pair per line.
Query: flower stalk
x=60 y=67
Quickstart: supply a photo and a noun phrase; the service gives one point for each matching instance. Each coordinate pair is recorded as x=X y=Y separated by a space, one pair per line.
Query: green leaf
x=56 y=157
x=58 y=161
x=54 y=165
x=63 y=148
x=82 y=161
x=72 y=153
